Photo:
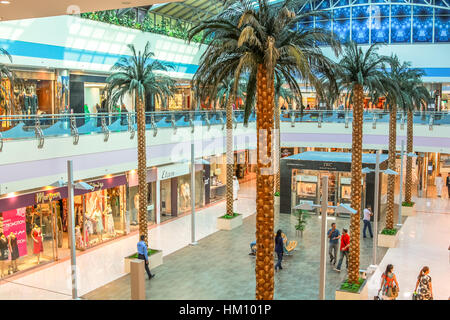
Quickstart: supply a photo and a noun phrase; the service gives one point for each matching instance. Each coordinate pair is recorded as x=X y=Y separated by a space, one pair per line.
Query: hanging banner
x=14 y=221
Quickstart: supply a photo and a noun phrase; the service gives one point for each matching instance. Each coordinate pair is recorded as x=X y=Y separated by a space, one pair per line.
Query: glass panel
x=380 y=10
x=442 y=11
x=341 y=3
x=305 y=26
x=422 y=11
x=342 y=29
x=422 y=29
x=401 y=10
x=360 y=32
x=324 y=24
x=400 y=29
x=342 y=13
x=441 y=29
x=360 y=11
x=306 y=8
x=325 y=4
x=380 y=30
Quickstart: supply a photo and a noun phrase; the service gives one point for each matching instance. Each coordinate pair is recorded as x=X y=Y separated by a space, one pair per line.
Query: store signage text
x=97 y=185
x=41 y=197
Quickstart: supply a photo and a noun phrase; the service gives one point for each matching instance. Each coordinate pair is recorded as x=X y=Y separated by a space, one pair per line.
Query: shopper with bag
x=424 y=283
x=387 y=288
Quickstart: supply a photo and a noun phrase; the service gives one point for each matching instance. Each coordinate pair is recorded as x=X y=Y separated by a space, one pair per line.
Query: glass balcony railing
x=60 y=125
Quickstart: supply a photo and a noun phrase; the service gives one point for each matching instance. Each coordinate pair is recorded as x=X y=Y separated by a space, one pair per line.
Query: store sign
x=97 y=185
x=304 y=178
x=42 y=197
x=14 y=221
x=329 y=166
x=345 y=180
x=174 y=170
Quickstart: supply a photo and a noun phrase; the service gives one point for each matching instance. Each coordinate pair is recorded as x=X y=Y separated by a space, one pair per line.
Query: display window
x=166 y=200
x=218 y=178
x=134 y=205
x=184 y=192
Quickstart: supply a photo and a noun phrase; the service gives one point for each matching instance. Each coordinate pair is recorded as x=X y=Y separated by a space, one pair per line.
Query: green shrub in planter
x=229 y=216
x=277 y=194
x=352 y=287
x=302 y=216
x=408 y=204
x=390 y=232
x=150 y=252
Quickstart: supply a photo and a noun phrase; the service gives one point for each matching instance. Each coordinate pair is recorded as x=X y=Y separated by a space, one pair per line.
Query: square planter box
x=409 y=211
x=362 y=294
x=276 y=200
x=388 y=241
x=154 y=260
x=229 y=224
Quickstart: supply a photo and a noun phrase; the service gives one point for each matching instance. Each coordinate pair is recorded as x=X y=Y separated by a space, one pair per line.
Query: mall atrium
x=189 y=150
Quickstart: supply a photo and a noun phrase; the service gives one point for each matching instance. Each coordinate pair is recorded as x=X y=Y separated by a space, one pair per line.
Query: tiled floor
x=219 y=267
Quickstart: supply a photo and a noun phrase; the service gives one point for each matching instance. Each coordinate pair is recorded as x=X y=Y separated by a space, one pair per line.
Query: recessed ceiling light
x=126 y=2
x=5 y=2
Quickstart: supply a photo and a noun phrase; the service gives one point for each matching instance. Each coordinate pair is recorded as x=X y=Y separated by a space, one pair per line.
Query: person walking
x=334 y=236
x=424 y=283
x=448 y=184
x=143 y=255
x=367 y=214
x=345 y=245
x=439 y=183
x=279 y=249
x=388 y=291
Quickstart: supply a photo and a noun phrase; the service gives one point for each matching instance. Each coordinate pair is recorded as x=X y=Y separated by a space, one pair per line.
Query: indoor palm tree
x=138 y=76
x=262 y=40
x=358 y=72
x=419 y=95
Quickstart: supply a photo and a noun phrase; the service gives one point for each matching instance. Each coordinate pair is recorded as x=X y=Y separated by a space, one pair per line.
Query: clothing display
x=14 y=247
x=99 y=219
x=4 y=252
x=37 y=242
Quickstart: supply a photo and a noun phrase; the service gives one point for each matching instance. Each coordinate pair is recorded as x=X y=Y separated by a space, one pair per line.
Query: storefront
x=301 y=176
x=245 y=165
x=175 y=189
x=39 y=222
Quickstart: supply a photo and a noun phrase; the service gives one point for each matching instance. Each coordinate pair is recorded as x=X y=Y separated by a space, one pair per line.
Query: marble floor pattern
x=219 y=267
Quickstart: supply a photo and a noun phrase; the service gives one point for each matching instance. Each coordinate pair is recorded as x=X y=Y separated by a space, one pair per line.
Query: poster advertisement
x=14 y=221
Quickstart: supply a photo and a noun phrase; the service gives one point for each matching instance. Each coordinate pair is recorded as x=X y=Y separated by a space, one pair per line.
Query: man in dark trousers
x=143 y=255
x=448 y=184
x=333 y=246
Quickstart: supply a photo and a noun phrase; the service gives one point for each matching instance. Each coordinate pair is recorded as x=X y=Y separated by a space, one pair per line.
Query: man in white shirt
x=367 y=214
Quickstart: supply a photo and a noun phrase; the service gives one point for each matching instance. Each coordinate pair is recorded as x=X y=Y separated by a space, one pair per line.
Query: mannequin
x=135 y=210
x=98 y=217
x=235 y=188
x=36 y=235
x=78 y=238
x=185 y=194
x=14 y=249
x=4 y=253
x=109 y=221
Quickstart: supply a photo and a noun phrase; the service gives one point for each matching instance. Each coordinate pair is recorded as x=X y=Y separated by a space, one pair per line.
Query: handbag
x=394 y=292
x=414 y=296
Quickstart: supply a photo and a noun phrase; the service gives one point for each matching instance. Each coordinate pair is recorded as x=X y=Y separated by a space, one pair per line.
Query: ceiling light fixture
x=5 y=2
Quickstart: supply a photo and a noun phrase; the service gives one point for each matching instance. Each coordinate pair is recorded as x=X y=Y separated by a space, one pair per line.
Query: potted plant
x=155 y=258
x=353 y=291
x=229 y=222
x=276 y=198
x=408 y=208
x=388 y=238
x=302 y=215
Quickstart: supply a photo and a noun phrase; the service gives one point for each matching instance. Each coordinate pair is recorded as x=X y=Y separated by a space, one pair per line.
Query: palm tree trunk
x=357 y=134
x=277 y=146
x=142 y=170
x=264 y=187
x=230 y=160
x=391 y=165
x=409 y=149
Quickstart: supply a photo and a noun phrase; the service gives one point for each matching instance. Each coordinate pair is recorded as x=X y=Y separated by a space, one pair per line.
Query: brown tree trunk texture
x=230 y=158
x=391 y=165
x=357 y=135
x=409 y=149
x=142 y=170
x=264 y=268
x=277 y=146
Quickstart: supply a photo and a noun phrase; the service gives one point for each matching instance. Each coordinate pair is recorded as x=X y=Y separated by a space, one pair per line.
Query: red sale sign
x=14 y=221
